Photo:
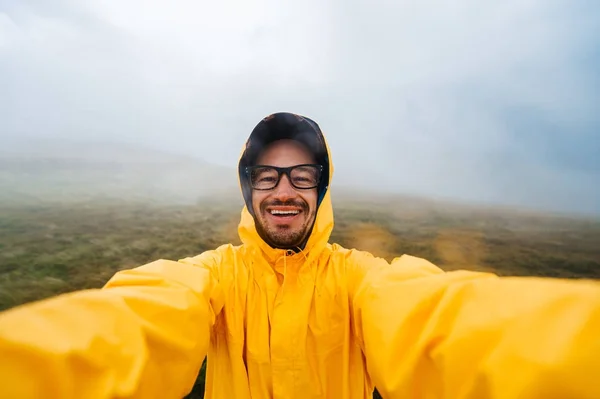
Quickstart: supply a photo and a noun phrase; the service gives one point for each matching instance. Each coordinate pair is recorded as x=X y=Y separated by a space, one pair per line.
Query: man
x=288 y=315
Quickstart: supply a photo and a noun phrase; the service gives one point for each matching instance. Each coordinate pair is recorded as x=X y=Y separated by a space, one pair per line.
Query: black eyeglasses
x=265 y=177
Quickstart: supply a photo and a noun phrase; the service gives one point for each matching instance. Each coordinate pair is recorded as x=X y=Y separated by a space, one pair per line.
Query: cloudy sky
x=495 y=101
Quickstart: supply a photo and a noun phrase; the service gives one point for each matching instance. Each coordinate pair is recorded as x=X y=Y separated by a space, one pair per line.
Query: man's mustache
x=296 y=203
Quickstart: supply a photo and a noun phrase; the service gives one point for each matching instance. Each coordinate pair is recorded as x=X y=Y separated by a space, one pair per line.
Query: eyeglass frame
x=284 y=171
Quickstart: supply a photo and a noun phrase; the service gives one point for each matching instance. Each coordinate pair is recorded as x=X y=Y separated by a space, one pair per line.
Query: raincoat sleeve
x=426 y=333
x=143 y=335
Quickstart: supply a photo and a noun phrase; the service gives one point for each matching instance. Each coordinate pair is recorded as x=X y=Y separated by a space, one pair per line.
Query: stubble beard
x=284 y=236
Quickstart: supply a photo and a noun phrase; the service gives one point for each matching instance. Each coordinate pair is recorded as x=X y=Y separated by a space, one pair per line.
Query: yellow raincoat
x=326 y=322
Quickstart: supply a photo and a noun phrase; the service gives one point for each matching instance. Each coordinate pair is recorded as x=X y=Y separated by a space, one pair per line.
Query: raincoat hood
x=279 y=126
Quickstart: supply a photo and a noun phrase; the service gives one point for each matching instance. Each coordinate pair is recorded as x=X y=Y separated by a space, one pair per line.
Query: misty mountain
x=67 y=170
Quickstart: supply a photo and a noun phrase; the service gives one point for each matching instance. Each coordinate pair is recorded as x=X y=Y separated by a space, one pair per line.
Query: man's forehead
x=287 y=151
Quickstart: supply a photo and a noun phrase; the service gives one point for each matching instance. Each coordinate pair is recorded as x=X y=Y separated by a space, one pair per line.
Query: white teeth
x=276 y=212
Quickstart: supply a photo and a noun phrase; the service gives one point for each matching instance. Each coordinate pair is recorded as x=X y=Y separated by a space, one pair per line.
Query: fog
x=493 y=102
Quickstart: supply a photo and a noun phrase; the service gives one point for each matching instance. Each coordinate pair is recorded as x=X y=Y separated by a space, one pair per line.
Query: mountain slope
x=61 y=170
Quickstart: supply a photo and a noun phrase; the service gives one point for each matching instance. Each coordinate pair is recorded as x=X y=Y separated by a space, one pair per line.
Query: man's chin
x=285 y=240
x=282 y=235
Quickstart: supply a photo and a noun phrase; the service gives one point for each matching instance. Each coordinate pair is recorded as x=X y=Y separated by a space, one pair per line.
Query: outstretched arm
x=143 y=335
x=430 y=334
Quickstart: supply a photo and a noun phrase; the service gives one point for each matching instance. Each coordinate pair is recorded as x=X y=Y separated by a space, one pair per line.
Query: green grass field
x=55 y=248
x=49 y=249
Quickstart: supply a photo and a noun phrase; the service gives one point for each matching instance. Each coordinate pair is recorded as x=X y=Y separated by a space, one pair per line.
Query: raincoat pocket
x=328 y=325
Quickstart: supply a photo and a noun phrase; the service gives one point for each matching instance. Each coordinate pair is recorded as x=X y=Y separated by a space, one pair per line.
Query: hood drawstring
x=314 y=271
x=284 y=270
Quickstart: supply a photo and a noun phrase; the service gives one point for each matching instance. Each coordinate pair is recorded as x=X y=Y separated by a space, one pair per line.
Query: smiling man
x=284 y=198
x=289 y=315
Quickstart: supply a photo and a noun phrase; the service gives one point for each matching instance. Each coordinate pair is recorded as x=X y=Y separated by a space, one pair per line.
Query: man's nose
x=284 y=189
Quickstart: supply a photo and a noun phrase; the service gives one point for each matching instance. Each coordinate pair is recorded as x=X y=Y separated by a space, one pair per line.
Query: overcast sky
x=493 y=101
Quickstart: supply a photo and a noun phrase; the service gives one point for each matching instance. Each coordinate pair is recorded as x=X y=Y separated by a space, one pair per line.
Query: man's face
x=285 y=215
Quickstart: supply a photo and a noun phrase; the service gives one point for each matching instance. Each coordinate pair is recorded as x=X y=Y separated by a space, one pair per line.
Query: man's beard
x=285 y=237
